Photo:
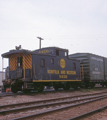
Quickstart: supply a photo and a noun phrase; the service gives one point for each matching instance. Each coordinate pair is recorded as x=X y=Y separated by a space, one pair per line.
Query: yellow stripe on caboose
x=26 y=61
x=12 y=62
x=57 y=80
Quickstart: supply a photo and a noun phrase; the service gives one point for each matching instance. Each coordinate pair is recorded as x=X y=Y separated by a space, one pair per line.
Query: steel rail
x=46 y=105
x=48 y=100
x=57 y=109
x=10 y=94
x=88 y=113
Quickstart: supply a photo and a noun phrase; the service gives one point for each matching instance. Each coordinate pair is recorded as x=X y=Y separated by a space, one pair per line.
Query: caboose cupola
x=53 y=51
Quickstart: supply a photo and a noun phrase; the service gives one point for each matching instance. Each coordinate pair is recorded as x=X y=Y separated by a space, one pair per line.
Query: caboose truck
x=32 y=70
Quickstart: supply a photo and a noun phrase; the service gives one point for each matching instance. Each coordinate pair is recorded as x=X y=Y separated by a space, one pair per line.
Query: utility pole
x=40 y=42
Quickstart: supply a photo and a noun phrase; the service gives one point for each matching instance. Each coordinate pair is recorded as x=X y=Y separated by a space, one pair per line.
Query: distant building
x=1 y=77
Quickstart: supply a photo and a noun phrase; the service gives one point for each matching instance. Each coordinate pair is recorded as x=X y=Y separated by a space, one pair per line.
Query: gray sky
x=77 y=25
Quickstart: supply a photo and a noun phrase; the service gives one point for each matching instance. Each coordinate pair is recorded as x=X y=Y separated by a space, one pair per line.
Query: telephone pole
x=40 y=42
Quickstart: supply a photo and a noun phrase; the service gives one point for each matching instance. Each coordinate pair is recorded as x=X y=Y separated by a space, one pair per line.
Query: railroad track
x=4 y=94
x=88 y=113
x=49 y=100
x=58 y=104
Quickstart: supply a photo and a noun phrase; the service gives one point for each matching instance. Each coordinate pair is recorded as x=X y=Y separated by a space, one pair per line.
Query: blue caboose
x=32 y=70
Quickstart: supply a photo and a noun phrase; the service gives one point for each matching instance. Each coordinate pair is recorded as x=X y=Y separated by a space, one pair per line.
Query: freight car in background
x=32 y=70
x=94 y=67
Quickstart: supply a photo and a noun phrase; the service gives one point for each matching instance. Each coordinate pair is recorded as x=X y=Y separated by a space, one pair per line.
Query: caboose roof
x=8 y=54
x=57 y=48
x=15 y=51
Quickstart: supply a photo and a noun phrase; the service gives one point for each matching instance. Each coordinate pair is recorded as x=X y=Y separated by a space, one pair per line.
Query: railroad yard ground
x=65 y=114
x=47 y=95
x=102 y=115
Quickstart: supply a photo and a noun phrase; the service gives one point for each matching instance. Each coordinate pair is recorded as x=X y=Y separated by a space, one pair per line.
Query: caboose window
x=57 y=52
x=74 y=66
x=66 y=54
x=52 y=61
x=19 y=61
x=42 y=62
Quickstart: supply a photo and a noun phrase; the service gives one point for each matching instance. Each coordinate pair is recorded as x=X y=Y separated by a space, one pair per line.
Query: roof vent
x=18 y=47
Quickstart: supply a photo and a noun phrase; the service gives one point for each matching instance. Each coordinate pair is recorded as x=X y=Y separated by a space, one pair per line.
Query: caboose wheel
x=75 y=87
x=40 y=88
x=66 y=86
x=27 y=91
x=13 y=89
x=56 y=88
x=92 y=85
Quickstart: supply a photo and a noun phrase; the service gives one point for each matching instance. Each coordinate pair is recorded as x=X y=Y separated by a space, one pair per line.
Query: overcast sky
x=77 y=25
